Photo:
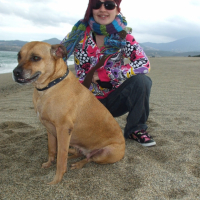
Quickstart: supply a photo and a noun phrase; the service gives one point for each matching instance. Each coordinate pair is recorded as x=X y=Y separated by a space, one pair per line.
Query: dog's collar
x=54 y=82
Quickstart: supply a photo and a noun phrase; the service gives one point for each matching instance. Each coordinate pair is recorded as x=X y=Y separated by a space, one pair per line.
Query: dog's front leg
x=63 y=140
x=52 y=145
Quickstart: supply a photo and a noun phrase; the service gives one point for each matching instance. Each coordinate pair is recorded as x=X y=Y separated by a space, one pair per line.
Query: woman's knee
x=141 y=80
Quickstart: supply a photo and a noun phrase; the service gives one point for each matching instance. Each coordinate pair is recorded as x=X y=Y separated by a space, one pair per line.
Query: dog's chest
x=41 y=108
x=47 y=123
x=38 y=114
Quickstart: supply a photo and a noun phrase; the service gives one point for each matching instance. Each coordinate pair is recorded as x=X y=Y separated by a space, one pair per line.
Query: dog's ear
x=58 y=51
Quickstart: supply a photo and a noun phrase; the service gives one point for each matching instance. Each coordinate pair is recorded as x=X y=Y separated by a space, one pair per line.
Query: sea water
x=8 y=61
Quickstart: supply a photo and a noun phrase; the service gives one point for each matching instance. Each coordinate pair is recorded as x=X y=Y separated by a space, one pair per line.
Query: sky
x=151 y=20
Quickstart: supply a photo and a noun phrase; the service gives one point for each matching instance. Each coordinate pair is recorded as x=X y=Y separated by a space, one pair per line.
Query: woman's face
x=103 y=16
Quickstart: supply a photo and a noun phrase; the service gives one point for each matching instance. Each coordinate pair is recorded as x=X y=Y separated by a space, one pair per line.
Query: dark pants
x=132 y=97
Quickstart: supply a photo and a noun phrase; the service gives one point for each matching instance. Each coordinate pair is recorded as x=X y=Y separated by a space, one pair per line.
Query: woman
x=100 y=47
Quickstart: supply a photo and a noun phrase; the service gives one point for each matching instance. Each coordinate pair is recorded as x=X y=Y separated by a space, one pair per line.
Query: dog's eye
x=36 y=58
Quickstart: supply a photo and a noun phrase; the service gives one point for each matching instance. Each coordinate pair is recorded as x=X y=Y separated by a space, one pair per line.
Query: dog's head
x=37 y=62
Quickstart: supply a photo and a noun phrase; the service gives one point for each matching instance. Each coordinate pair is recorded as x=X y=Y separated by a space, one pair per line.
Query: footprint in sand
x=196 y=171
x=22 y=147
x=13 y=132
x=11 y=124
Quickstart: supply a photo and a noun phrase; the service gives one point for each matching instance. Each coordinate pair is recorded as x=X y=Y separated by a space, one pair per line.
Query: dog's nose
x=17 y=71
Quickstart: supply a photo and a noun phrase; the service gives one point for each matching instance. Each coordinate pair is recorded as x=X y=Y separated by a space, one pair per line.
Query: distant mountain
x=196 y=56
x=157 y=53
x=187 y=54
x=184 y=47
x=15 y=45
x=11 y=45
x=178 y=46
x=12 y=42
x=52 y=41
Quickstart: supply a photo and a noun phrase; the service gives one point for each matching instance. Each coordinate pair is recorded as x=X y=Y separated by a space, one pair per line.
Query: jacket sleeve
x=116 y=71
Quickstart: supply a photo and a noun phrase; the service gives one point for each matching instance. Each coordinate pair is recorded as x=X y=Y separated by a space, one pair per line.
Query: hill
x=184 y=47
x=178 y=46
x=157 y=53
x=11 y=45
x=15 y=45
x=52 y=41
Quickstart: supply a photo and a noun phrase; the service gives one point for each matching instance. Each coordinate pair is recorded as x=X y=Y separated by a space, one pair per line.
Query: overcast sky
x=151 y=20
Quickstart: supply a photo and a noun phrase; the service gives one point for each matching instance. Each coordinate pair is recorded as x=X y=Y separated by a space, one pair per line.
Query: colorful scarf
x=112 y=41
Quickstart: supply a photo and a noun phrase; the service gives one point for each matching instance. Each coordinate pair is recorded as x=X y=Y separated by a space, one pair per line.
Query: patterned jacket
x=114 y=71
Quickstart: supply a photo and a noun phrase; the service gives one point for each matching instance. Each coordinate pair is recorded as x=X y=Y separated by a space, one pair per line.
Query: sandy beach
x=170 y=170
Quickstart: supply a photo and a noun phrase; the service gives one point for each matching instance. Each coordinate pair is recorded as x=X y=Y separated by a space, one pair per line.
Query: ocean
x=8 y=61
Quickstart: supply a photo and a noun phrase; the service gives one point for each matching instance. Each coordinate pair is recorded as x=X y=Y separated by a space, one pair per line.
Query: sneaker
x=143 y=138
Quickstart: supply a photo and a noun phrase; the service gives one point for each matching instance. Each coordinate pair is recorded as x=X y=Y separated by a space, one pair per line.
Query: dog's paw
x=57 y=179
x=76 y=166
x=46 y=165
x=52 y=183
x=79 y=164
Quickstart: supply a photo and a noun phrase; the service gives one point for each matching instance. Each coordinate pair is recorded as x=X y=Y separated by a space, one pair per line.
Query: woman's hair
x=91 y=3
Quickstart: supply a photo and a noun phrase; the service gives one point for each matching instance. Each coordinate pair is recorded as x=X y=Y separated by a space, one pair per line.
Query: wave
x=7 y=67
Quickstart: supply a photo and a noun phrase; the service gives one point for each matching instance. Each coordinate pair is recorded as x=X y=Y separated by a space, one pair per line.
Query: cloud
x=39 y=14
x=170 y=29
x=150 y=20
x=195 y=2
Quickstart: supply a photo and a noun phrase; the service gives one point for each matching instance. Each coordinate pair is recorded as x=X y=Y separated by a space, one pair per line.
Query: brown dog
x=70 y=112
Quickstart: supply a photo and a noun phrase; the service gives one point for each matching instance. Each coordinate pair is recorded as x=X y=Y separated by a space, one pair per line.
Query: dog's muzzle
x=18 y=76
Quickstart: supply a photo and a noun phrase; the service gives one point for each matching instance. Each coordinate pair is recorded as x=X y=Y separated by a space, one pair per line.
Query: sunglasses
x=109 y=5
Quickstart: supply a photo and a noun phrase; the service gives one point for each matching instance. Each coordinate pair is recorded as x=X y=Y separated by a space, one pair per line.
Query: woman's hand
x=95 y=77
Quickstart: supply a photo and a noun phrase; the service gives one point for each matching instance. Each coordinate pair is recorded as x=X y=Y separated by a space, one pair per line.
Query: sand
x=170 y=170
